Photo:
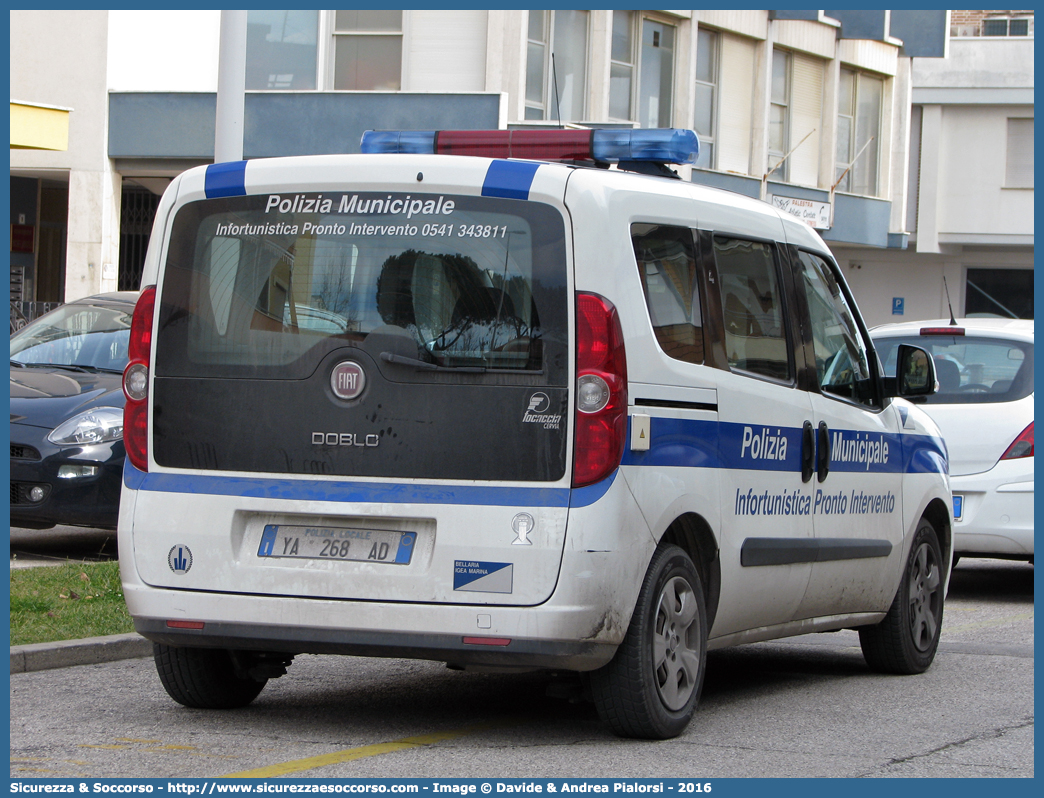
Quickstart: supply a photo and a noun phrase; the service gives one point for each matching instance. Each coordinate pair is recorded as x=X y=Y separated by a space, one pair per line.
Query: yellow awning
x=39 y=127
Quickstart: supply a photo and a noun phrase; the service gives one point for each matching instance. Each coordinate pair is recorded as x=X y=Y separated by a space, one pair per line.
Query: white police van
x=476 y=397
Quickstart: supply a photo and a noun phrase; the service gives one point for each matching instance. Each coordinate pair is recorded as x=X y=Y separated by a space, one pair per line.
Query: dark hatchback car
x=67 y=413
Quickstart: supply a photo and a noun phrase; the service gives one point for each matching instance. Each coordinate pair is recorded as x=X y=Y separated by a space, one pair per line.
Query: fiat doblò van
x=516 y=400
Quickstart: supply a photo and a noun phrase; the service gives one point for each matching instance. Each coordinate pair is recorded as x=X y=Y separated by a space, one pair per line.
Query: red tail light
x=1022 y=446
x=601 y=391
x=136 y=381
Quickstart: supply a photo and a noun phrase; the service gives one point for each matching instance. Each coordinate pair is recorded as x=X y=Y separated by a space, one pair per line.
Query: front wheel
x=651 y=687
x=906 y=640
x=204 y=678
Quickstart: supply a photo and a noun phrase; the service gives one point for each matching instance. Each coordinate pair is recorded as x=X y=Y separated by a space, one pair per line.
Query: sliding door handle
x=808 y=452
x=823 y=452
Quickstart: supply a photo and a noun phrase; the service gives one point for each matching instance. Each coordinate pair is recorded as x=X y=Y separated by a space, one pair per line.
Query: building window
x=1019 y=160
x=556 y=65
x=367 y=50
x=779 y=114
x=858 y=132
x=641 y=76
x=999 y=292
x=622 y=66
x=707 y=66
x=281 y=50
x=1006 y=27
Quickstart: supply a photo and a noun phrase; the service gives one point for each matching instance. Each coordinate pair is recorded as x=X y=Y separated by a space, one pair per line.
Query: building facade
x=970 y=190
x=814 y=111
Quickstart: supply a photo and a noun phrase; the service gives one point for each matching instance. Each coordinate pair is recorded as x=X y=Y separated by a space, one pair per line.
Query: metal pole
x=228 y=126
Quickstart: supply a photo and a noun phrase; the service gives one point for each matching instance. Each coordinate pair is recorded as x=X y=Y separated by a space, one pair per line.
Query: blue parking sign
x=897 y=305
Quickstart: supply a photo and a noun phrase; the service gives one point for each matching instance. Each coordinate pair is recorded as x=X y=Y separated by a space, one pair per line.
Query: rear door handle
x=823 y=452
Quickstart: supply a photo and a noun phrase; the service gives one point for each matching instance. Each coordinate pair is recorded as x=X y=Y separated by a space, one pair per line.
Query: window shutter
x=736 y=99
x=1019 y=171
x=806 y=114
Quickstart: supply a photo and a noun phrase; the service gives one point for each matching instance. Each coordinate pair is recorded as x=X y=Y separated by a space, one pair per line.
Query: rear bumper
x=998 y=511
x=576 y=624
x=516 y=654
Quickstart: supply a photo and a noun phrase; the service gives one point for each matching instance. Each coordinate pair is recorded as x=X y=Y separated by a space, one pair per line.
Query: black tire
x=651 y=687
x=906 y=640
x=203 y=678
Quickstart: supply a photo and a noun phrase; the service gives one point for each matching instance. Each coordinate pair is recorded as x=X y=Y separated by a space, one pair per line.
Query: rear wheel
x=651 y=687
x=906 y=640
x=204 y=678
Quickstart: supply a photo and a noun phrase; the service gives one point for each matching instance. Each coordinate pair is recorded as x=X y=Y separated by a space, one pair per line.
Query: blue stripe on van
x=756 y=447
x=677 y=443
x=509 y=179
x=226 y=179
x=315 y=490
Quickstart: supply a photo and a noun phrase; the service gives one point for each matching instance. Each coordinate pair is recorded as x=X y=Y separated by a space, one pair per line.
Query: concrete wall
x=163 y=50
x=965 y=101
x=69 y=69
x=164 y=125
x=978 y=64
x=973 y=201
x=876 y=276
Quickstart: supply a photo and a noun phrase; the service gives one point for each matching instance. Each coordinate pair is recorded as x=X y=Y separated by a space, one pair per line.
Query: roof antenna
x=554 y=87
x=953 y=321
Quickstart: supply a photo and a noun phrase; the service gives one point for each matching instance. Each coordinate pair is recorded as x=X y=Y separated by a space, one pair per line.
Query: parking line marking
x=350 y=754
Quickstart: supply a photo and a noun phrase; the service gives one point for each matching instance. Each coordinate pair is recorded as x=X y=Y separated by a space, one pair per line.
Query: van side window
x=755 y=337
x=842 y=364
x=667 y=266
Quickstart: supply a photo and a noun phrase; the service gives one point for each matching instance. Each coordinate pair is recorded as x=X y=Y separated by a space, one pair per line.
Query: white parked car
x=984 y=407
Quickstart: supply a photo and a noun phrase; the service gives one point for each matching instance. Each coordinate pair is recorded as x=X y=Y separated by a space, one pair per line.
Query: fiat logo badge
x=347 y=380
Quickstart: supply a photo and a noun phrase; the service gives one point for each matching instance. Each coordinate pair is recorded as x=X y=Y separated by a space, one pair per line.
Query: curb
x=88 y=651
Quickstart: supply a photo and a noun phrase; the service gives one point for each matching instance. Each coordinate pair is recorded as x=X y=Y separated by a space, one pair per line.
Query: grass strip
x=67 y=602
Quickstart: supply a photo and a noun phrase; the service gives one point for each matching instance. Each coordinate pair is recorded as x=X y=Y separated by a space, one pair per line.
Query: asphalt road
x=807 y=707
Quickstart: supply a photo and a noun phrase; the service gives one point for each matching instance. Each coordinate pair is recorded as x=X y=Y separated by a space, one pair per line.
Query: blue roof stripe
x=226 y=179
x=509 y=179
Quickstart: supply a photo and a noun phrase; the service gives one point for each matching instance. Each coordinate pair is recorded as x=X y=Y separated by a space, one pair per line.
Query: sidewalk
x=42 y=547
x=88 y=651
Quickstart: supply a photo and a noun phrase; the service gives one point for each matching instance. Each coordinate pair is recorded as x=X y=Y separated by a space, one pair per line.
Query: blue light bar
x=664 y=145
x=418 y=142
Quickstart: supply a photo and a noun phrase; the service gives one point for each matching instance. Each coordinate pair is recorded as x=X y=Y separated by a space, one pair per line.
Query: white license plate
x=334 y=543
x=958 y=507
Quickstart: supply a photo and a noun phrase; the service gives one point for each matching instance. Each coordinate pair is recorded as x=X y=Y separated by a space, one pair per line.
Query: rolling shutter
x=735 y=104
x=806 y=106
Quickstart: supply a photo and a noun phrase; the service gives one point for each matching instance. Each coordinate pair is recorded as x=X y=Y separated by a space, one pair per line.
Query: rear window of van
x=263 y=286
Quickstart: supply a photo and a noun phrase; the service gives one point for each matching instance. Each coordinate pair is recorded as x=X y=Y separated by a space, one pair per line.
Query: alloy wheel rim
x=925 y=585
x=676 y=658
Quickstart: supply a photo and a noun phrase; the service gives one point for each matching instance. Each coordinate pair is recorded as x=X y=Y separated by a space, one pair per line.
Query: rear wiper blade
x=422 y=365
